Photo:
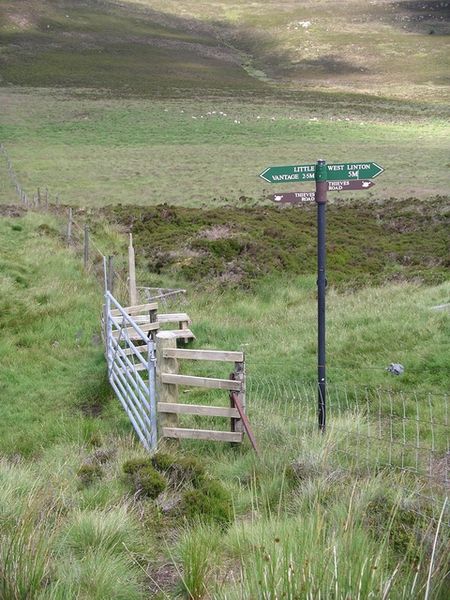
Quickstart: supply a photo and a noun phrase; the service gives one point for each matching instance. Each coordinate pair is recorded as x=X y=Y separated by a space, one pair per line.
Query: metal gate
x=130 y=355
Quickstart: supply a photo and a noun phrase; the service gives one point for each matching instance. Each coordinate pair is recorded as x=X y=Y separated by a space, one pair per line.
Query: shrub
x=210 y=501
x=162 y=461
x=181 y=469
x=134 y=465
x=89 y=472
x=149 y=482
x=188 y=469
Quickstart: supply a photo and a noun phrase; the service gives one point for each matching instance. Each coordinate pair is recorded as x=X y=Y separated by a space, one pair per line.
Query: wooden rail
x=203 y=382
x=211 y=355
x=202 y=434
x=198 y=409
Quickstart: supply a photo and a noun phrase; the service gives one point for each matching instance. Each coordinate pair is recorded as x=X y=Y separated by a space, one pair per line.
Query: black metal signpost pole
x=342 y=176
x=321 y=200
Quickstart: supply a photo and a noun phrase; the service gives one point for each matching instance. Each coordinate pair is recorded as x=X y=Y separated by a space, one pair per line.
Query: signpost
x=321 y=200
x=294 y=197
x=333 y=186
x=328 y=178
x=334 y=172
x=349 y=185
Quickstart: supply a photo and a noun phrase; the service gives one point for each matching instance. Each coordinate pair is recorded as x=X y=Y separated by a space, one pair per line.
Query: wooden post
x=132 y=274
x=166 y=392
x=153 y=318
x=110 y=279
x=38 y=197
x=69 y=228
x=239 y=375
x=46 y=198
x=86 y=247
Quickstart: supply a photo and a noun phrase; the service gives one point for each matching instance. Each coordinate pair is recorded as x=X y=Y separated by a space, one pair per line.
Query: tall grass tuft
x=196 y=552
x=25 y=559
x=107 y=531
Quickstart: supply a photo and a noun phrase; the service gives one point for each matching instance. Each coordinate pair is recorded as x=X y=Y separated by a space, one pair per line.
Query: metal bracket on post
x=321 y=200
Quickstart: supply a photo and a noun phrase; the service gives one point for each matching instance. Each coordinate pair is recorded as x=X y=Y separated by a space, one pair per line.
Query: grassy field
x=153 y=104
x=76 y=529
x=157 y=117
x=100 y=152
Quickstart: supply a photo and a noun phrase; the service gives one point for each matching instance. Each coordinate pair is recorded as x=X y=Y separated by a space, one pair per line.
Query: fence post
x=239 y=375
x=39 y=197
x=110 y=277
x=86 y=247
x=46 y=198
x=132 y=273
x=166 y=392
x=153 y=318
x=107 y=330
x=69 y=228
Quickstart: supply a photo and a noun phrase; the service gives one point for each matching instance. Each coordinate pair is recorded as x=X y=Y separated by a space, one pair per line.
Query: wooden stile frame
x=169 y=379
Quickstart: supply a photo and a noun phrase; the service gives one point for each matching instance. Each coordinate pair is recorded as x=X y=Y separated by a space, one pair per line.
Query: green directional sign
x=335 y=172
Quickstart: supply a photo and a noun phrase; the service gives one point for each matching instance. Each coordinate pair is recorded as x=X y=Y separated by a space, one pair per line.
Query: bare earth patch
x=216 y=232
x=12 y=211
x=21 y=21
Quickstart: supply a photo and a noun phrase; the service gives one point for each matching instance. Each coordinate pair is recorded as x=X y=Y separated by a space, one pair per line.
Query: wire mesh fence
x=370 y=429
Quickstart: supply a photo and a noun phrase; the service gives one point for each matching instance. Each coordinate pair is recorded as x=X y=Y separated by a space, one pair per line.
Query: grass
x=100 y=152
x=51 y=333
x=185 y=103
x=100 y=540
x=107 y=104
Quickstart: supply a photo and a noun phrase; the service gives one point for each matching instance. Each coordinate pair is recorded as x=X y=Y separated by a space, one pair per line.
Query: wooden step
x=202 y=434
x=132 y=333
x=198 y=409
x=135 y=310
x=173 y=318
x=182 y=333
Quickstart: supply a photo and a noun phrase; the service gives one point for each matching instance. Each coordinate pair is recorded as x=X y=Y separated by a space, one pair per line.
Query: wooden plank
x=182 y=333
x=212 y=355
x=135 y=310
x=201 y=434
x=173 y=317
x=132 y=333
x=203 y=382
x=198 y=409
